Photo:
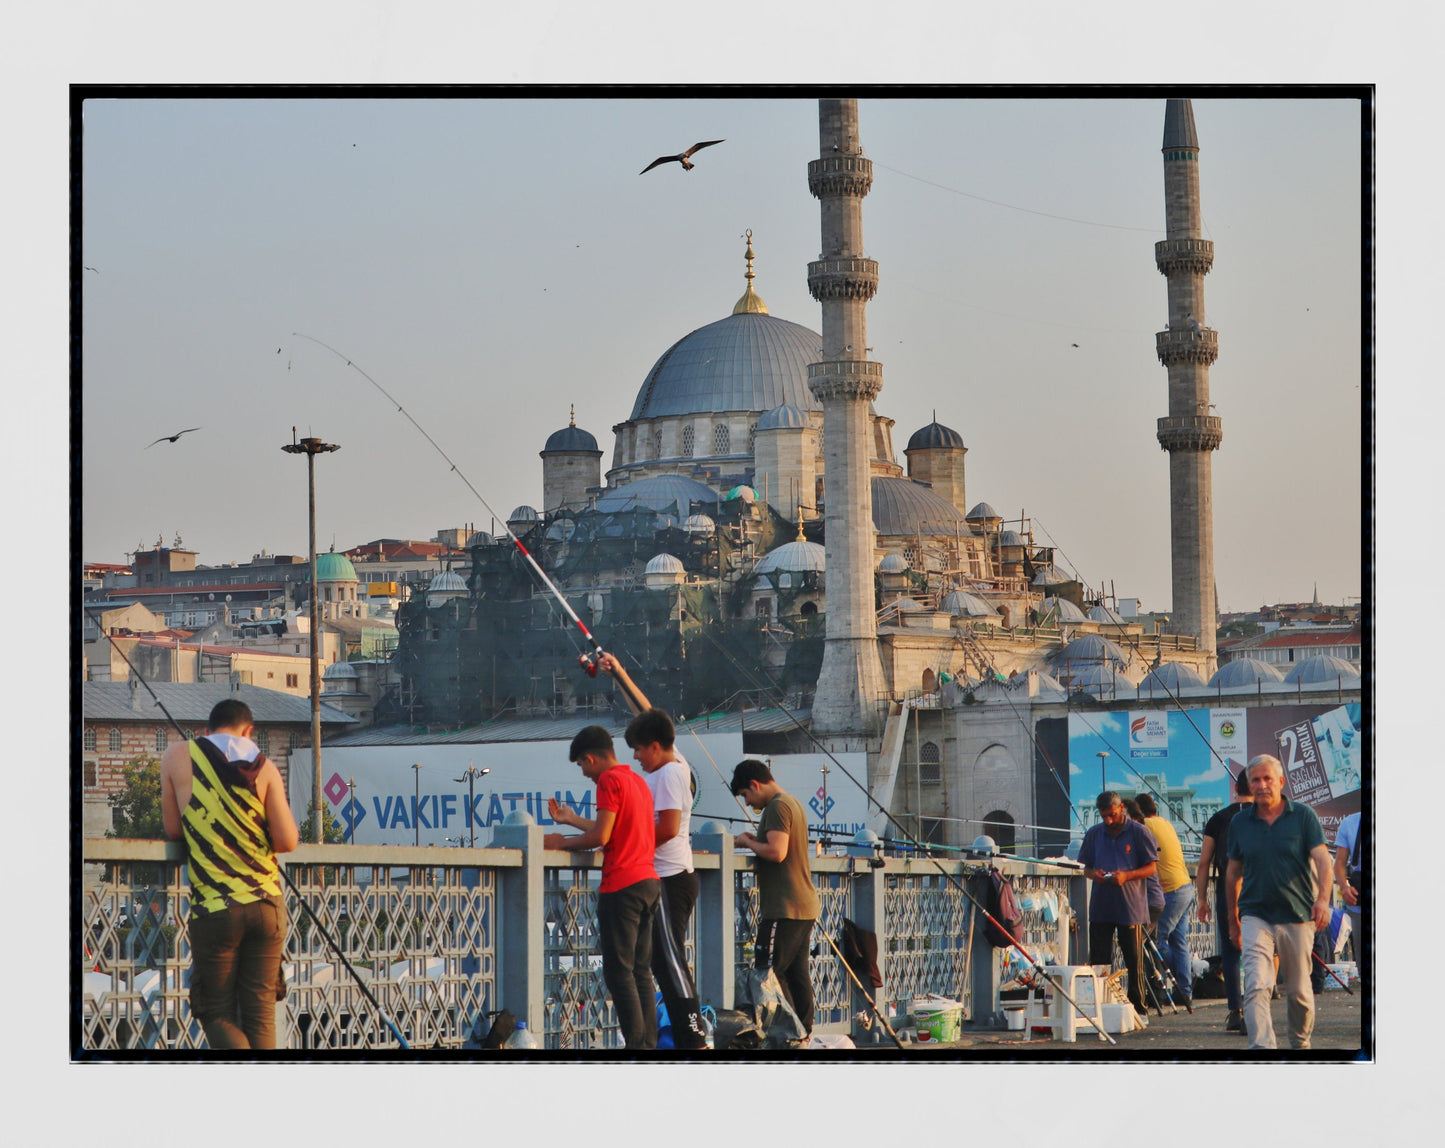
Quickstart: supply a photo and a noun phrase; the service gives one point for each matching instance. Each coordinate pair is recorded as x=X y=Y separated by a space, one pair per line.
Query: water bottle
x=521 y=1037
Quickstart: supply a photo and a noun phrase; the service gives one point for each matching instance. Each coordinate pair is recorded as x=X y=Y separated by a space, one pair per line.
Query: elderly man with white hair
x=1278 y=848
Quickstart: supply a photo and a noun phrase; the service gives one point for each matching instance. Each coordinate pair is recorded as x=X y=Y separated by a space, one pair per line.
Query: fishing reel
x=588 y=662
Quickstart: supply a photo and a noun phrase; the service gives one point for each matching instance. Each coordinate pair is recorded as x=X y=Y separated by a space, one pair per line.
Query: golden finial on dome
x=571 y=414
x=750 y=304
x=800 y=529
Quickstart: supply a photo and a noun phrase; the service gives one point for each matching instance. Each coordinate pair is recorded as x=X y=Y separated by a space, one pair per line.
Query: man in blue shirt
x=1277 y=848
x=1119 y=855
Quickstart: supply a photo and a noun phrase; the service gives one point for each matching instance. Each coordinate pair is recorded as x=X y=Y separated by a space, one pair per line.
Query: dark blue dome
x=936 y=436
x=570 y=438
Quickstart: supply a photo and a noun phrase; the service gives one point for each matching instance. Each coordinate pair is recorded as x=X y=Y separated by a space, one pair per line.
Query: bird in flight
x=1073 y=344
x=172 y=437
x=682 y=159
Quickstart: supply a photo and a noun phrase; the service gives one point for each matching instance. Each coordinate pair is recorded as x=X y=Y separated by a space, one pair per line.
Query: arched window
x=89 y=740
x=930 y=681
x=753 y=438
x=687 y=441
x=1000 y=826
x=764 y=609
x=657 y=443
x=809 y=609
x=721 y=438
x=161 y=740
x=263 y=741
x=930 y=764
x=115 y=741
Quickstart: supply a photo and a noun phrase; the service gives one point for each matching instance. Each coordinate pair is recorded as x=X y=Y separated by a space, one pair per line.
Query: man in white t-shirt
x=650 y=735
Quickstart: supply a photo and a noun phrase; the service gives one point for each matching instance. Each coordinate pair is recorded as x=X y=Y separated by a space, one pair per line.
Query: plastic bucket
x=1013 y=1016
x=938 y=1019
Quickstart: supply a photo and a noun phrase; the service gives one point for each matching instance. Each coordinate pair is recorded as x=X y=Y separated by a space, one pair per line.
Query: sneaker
x=1235 y=1023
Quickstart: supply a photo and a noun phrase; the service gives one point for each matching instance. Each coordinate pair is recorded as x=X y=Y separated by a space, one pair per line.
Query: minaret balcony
x=843 y=279
x=1183 y=345
x=1195 y=432
x=1195 y=256
x=845 y=379
x=840 y=175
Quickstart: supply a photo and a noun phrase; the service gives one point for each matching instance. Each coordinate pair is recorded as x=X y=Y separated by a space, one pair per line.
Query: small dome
x=1010 y=538
x=1102 y=613
x=1325 y=668
x=333 y=567
x=480 y=538
x=793 y=556
x=664 y=564
x=522 y=514
x=936 y=436
x=1064 y=610
x=1101 y=681
x=571 y=438
x=967 y=605
x=1244 y=672
x=447 y=580
x=1092 y=648
x=784 y=417
x=699 y=524
x=1049 y=575
x=983 y=510
x=338 y=670
x=909 y=605
x=1170 y=676
x=746 y=493
x=893 y=564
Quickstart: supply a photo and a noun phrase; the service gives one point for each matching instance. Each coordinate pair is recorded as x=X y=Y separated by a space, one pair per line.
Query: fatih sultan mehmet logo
x=1226 y=728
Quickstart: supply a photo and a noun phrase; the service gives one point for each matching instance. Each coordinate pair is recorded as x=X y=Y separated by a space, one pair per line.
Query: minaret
x=1190 y=432
x=851 y=682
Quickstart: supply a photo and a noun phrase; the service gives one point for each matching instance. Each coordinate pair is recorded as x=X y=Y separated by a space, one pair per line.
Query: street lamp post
x=470 y=777
x=311 y=447
x=1102 y=755
x=416 y=808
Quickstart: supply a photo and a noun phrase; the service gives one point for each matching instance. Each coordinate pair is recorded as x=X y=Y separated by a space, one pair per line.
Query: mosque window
x=657 y=443
x=930 y=767
x=753 y=438
x=92 y=775
x=910 y=555
x=90 y=741
x=1000 y=826
x=721 y=439
x=115 y=741
x=263 y=741
x=161 y=741
x=687 y=441
x=764 y=609
x=809 y=609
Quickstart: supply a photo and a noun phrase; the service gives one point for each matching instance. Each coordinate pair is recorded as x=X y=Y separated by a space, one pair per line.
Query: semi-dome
x=667 y=493
x=785 y=416
x=893 y=564
x=447 y=580
x=745 y=362
x=966 y=605
x=936 y=436
x=983 y=510
x=334 y=567
x=664 y=564
x=1324 y=668
x=904 y=507
x=571 y=438
x=1064 y=610
x=1092 y=648
x=1170 y=676
x=1244 y=672
x=793 y=557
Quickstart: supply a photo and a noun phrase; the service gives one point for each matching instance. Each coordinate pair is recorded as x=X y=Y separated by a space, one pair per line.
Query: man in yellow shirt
x=1178 y=900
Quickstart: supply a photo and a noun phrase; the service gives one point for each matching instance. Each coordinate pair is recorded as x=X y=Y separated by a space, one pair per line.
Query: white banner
x=801 y=775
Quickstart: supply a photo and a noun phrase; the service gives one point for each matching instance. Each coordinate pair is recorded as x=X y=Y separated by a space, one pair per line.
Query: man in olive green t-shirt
x=787 y=902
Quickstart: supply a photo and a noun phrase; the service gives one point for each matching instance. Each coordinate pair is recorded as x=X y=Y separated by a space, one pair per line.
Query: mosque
x=754 y=540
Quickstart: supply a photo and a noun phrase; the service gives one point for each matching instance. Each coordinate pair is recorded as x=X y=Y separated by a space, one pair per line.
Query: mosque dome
x=1010 y=538
x=904 y=507
x=699 y=524
x=334 y=567
x=338 y=671
x=936 y=436
x=1092 y=648
x=664 y=564
x=893 y=564
x=1245 y=672
x=785 y=416
x=447 y=580
x=522 y=514
x=1101 y=681
x=1102 y=613
x=1066 y=610
x=571 y=438
x=480 y=538
x=667 y=493
x=1170 y=676
x=967 y=605
x=1325 y=668
x=792 y=557
x=983 y=510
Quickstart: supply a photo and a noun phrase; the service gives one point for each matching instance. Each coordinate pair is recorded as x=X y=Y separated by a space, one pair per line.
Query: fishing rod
x=1034 y=964
x=588 y=662
x=280 y=868
x=1331 y=971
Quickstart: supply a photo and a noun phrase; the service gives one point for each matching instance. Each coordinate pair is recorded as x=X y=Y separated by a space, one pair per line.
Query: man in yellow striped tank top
x=226 y=799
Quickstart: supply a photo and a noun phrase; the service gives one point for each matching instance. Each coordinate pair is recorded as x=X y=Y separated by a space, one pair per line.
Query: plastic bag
x=771 y=1020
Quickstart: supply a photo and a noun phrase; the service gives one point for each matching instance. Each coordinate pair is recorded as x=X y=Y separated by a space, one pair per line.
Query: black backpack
x=1003 y=907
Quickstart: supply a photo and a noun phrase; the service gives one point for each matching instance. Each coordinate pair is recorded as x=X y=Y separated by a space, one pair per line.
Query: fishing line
x=280 y=867
x=588 y=663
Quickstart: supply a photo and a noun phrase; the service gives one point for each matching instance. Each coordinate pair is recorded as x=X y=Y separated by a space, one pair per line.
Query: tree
x=331 y=831
x=136 y=808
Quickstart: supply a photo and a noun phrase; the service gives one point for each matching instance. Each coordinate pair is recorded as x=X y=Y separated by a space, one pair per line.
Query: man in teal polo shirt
x=1278 y=847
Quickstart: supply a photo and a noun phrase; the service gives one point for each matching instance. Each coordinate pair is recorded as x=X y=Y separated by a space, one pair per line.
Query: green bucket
x=937 y=1019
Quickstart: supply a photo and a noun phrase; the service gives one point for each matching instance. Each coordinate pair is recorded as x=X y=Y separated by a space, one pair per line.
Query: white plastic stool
x=1085 y=986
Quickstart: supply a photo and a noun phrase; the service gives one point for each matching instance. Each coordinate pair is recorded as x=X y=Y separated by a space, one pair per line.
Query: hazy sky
x=491 y=261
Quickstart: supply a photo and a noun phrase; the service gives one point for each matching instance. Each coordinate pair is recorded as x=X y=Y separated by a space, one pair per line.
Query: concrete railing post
x=866 y=910
x=715 y=917
x=521 y=929
x=984 y=979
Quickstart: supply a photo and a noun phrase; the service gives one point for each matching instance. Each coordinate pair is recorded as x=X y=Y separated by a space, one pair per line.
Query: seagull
x=97 y=272
x=172 y=437
x=682 y=159
x=1194 y=324
x=1073 y=344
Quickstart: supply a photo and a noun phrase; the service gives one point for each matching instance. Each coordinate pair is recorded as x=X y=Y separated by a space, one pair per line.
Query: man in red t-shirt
x=627 y=898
